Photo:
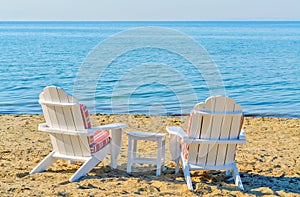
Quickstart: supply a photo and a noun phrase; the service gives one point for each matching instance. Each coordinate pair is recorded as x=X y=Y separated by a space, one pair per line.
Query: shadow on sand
x=254 y=184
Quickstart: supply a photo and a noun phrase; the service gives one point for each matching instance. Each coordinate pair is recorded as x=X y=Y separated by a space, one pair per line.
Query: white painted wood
x=175 y=130
x=216 y=141
x=205 y=133
x=50 y=117
x=116 y=135
x=236 y=127
x=85 y=132
x=159 y=156
x=213 y=167
x=174 y=143
x=225 y=130
x=163 y=149
x=218 y=106
x=73 y=142
x=52 y=96
x=212 y=141
x=89 y=164
x=237 y=178
x=111 y=126
x=142 y=160
x=49 y=110
x=44 y=164
x=63 y=114
x=68 y=135
x=146 y=135
x=134 y=151
x=186 y=172
x=177 y=165
x=196 y=124
x=159 y=138
x=129 y=154
x=57 y=104
x=70 y=157
x=48 y=121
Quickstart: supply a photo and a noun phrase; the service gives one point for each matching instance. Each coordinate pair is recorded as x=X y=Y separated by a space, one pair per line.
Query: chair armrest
x=177 y=135
x=242 y=135
x=109 y=127
x=178 y=131
x=86 y=132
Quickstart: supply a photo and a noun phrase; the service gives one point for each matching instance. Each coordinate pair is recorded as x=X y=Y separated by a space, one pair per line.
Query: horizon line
x=283 y=20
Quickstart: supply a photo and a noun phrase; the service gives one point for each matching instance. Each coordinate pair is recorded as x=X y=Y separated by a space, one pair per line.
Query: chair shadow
x=23 y=174
x=251 y=182
x=276 y=183
x=255 y=184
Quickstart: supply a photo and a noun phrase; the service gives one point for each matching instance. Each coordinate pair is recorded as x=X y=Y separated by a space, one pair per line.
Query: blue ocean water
x=259 y=63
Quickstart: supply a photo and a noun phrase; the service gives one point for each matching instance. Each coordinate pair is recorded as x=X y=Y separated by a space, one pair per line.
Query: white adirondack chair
x=210 y=142
x=72 y=136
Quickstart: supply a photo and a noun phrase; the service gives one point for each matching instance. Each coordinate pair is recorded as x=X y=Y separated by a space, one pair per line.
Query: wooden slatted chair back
x=62 y=112
x=218 y=118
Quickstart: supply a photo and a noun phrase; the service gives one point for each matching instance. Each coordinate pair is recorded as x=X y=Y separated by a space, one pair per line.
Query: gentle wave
x=259 y=63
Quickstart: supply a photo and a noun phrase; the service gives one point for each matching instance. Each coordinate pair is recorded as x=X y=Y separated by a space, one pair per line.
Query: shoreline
x=251 y=115
x=269 y=163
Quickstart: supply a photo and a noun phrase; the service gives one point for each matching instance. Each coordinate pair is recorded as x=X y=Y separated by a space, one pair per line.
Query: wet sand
x=269 y=163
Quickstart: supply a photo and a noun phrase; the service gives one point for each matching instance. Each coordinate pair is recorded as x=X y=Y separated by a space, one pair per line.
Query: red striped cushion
x=86 y=121
x=190 y=122
x=185 y=147
x=85 y=116
x=100 y=138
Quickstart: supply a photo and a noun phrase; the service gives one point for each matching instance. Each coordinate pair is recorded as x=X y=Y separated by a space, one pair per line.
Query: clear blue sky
x=119 y=10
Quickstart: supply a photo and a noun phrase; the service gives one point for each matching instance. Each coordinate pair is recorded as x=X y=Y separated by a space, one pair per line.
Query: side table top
x=146 y=134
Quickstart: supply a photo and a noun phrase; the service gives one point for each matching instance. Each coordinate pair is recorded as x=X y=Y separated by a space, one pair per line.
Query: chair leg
x=177 y=166
x=84 y=169
x=44 y=164
x=187 y=175
x=115 y=146
x=237 y=178
x=113 y=156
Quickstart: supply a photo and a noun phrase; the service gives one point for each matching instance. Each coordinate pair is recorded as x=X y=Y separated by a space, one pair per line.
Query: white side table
x=160 y=138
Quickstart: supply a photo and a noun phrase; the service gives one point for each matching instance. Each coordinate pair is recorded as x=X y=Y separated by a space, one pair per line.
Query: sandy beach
x=269 y=163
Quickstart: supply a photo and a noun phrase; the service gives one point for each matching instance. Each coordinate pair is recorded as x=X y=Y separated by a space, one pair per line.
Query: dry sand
x=269 y=163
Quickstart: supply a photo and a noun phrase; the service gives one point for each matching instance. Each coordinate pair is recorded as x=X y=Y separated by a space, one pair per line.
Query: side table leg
x=163 y=154
x=159 y=154
x=129 y=154
x=134 y=152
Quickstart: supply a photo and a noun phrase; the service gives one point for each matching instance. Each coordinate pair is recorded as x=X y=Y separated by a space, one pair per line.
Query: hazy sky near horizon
x=145 y=10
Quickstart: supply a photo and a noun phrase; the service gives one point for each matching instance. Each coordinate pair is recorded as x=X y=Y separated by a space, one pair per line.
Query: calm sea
x=259 y=63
